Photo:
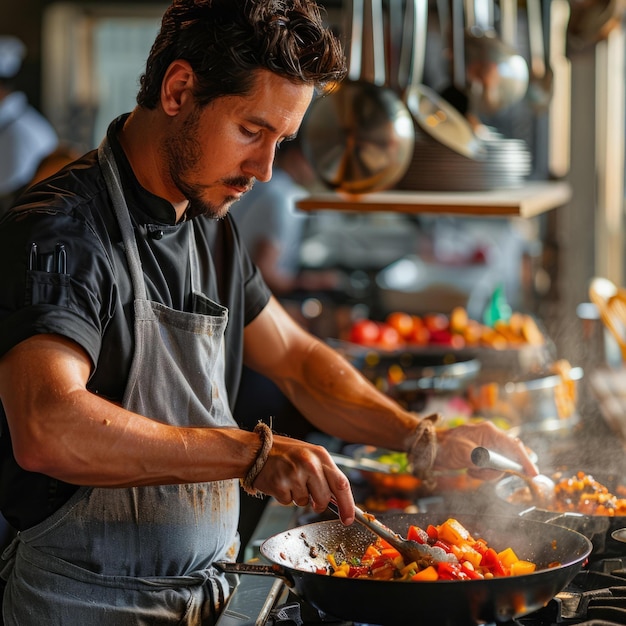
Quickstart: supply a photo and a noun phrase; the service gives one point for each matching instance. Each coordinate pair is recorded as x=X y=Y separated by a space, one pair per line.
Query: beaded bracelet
x=267 y=440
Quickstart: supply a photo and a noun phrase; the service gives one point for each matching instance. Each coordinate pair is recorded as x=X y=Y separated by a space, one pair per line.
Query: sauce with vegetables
x=580 y=493
x=476 y=559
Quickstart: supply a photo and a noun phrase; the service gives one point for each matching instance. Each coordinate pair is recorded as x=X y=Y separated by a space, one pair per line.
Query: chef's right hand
x=304 y=474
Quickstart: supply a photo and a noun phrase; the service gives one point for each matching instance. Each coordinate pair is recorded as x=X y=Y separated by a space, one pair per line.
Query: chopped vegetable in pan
x=477 y=560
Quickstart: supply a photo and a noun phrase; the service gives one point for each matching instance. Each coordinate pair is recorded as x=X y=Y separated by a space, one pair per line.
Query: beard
x=182 y=153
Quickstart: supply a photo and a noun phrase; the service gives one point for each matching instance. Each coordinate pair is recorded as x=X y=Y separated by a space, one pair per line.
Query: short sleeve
x=57 y=278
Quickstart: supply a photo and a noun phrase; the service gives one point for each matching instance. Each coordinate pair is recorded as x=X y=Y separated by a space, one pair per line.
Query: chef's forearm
x=90 y=441
x=338 y=400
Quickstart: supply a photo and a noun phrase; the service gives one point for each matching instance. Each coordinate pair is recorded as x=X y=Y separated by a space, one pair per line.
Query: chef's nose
x=260 y=165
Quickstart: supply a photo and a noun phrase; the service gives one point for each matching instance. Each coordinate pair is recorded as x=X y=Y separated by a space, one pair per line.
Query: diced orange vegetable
x=430 y=573
x=390 y=553
x=508 y=557
x=371 y=552
x=465 y=552
x=453 y=532
x=522 y=567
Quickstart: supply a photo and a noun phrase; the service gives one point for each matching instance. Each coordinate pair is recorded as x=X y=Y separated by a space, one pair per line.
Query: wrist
x=422 y=447
x=267 y=440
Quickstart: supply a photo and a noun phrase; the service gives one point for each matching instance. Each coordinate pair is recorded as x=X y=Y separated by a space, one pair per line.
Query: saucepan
x=295 y=555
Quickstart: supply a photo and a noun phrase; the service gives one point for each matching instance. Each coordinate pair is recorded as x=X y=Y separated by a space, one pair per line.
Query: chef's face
x=215 y=153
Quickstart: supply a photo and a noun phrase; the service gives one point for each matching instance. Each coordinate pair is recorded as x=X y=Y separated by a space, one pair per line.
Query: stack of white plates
x=506 y=165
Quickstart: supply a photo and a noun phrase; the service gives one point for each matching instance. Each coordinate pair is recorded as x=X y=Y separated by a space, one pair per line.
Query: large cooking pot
x=597 y=528
x=295 y=554
x=531 y=403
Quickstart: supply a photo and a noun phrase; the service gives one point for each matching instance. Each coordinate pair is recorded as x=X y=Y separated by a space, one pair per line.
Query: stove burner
x=285 y=615
x=593 y=598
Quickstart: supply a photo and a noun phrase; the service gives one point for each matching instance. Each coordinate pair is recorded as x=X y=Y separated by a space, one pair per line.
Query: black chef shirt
x=84 y=292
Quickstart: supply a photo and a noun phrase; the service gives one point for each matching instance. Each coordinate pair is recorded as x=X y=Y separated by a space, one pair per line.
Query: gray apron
x=140 y=556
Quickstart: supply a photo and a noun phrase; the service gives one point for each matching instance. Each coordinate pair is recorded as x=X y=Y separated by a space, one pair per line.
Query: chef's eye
x=249 y=133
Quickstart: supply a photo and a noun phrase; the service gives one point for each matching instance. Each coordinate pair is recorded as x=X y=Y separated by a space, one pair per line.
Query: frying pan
x=360 y=137
x=296 y=553
x=597 y=528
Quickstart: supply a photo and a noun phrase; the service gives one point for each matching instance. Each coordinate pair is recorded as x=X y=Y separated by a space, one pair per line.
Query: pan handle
x=257 y=569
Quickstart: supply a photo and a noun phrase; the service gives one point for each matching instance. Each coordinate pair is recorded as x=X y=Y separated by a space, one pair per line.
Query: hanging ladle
x=410 y=549
x=541 y=78
x=541 y=487
x=434 y=115
x=497 y=75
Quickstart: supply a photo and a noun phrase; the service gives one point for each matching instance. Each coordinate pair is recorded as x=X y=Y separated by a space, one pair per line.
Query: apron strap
x=112 y=178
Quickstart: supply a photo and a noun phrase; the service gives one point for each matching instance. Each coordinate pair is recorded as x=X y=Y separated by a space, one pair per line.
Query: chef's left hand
x=455 y=447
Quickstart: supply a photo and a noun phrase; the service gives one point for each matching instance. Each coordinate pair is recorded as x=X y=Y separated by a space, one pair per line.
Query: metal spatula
x=409 y=549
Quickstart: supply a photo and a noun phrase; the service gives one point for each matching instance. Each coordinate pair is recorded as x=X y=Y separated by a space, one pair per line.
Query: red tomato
x=388 y=337
x=420 y=334
x=364 y=332
x=436 y=321
x=446 y=338
x=402 y=322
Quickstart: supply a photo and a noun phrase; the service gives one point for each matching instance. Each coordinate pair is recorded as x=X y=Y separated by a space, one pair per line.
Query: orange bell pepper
x=430 y=573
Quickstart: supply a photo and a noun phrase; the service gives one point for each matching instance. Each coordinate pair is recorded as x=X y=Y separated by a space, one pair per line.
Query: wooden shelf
x=533 y=199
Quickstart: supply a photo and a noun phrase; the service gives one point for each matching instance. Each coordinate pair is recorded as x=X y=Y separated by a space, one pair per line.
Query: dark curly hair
x=225 y=40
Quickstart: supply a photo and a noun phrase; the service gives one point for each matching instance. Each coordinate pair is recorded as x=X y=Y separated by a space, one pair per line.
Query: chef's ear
x=176 y=86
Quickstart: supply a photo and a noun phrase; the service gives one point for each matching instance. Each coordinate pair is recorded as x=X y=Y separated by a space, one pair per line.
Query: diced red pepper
x=441 y=544
x=448 y=571
x=417 y=534
x=358 y=570
x=492 y=563
x=432 y=532
x=471 y=573
x=380 y=561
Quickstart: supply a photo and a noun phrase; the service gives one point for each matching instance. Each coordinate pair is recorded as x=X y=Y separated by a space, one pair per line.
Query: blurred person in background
x=26 y=137
x=272 y=228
